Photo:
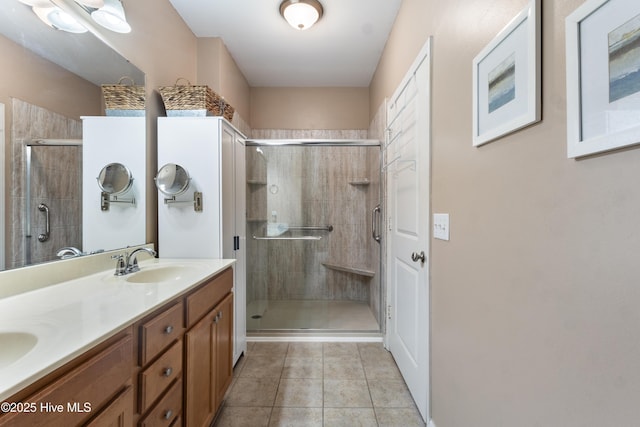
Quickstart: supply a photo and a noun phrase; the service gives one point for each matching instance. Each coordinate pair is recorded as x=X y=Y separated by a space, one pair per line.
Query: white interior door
x=407 y=161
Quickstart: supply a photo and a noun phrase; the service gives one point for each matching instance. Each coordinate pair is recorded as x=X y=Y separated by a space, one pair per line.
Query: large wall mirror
x=49 y=79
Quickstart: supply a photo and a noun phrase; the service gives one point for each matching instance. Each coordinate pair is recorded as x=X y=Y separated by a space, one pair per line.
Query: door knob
x=415 y=257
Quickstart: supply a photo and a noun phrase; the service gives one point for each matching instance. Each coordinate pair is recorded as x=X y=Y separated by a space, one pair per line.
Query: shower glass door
x=313 y=263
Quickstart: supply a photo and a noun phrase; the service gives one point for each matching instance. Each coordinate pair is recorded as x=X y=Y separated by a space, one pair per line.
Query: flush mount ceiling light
x=111 y=16
x=301 y=14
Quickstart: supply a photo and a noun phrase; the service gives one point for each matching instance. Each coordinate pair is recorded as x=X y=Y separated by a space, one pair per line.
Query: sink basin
x=14 y=345
x=165 y=273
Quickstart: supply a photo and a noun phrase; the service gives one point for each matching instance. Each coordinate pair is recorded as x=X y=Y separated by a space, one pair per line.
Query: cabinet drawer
x=169 y=407
x=157 y=377
x=93 y=383
x=204 y=299
x=159 y=332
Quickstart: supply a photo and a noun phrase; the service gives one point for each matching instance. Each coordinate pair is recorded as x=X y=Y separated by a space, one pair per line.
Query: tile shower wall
x=313 y=186
x=55 y=180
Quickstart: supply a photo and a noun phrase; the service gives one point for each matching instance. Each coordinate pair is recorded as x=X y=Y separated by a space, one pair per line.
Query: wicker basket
x=194 y=100
x=124 y=99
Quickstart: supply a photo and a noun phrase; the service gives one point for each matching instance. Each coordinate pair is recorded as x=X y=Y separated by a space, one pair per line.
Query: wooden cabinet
x=98 y=385
x=151 y=374
x=208 y=353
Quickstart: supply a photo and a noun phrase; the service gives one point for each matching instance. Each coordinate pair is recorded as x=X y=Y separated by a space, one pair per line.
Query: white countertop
x=71 y=317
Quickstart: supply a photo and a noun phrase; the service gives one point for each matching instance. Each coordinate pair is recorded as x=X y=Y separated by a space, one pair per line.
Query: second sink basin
x=15 y=345
x=165 y=273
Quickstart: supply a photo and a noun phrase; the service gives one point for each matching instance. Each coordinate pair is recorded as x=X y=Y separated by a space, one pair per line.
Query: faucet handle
x=121 y=264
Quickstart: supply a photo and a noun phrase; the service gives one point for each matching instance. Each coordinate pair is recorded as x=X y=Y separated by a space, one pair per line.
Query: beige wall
x=33 y=79
x=309 y=108
x=535 y=298
x=218 y=70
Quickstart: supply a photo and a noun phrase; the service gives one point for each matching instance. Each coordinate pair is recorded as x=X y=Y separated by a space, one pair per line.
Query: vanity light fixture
x=111 y=16
x=57 y=18
x=301 y=14
x=37 y=3
x=94 y=4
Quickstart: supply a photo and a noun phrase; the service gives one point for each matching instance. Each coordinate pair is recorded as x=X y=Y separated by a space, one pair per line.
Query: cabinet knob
x=167 y=372
x=168 y=414
x=168 y=329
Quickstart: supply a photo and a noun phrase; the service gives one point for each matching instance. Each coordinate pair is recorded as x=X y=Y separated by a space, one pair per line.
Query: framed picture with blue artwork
x=506 y=79
x=603 y=76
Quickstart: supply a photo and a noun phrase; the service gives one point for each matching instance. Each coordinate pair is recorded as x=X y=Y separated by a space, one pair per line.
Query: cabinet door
x=224 y=347
x=118 y=414
x=199 y=375
x=94 y=383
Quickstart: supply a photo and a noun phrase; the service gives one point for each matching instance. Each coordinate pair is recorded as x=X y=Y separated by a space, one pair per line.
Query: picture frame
x=507 y=78
x=603 y=76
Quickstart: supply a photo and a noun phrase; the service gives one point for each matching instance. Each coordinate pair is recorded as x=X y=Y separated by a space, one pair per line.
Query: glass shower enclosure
x=313 y=253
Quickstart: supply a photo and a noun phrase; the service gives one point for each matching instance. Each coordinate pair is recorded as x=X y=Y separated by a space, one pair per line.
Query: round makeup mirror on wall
x=172 y=179
x=115 y=179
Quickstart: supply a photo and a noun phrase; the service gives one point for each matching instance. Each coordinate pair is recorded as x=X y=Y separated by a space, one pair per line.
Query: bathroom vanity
x=152 y=348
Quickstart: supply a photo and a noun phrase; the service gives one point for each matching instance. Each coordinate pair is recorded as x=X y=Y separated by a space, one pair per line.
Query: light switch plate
x=441 y=226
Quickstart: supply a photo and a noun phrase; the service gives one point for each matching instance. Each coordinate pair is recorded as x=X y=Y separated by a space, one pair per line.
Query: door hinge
x=236 y=243
x=388 y=312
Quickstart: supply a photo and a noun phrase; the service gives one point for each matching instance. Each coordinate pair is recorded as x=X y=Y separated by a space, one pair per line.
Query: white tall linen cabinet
x=212 y=152
x=113 y=140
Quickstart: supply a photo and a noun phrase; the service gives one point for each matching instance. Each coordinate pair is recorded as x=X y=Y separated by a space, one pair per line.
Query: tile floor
x=317 y=384
x=310 y=314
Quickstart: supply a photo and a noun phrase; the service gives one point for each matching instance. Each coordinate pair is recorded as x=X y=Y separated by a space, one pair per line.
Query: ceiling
x=341 y=50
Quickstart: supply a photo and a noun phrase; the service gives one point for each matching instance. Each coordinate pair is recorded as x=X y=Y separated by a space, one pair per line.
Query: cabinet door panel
x=224 y=347
x=199 y=402
x=118 y=414
x=94 y=382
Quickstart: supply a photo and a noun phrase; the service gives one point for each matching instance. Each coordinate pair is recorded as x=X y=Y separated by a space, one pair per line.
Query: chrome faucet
x=128 y=262
x=69 y=252
x=131 y=263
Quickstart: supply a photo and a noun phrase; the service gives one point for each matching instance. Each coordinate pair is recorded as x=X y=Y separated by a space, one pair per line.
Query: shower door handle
x=375 y=222
x=44 y=236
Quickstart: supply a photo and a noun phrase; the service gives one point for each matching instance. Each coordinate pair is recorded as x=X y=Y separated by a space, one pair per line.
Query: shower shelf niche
x=354 y=270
